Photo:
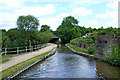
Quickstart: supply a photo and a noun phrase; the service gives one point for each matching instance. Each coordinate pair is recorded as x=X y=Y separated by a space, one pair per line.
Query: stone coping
x=82 y=53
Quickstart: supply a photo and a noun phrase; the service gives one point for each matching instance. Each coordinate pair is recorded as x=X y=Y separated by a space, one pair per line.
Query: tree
x=90 y=30
x=69 y=29
x=5 y=39
x=28 y=23
x=45 y=28
x=44 y=37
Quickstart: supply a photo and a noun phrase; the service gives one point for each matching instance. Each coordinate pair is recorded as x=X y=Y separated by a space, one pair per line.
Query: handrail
x=25 y=48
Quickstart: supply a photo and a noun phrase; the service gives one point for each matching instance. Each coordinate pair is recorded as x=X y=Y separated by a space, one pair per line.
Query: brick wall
x=81 y=44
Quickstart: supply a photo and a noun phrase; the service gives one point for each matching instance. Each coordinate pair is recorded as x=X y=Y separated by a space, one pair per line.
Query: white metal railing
x=22 y=49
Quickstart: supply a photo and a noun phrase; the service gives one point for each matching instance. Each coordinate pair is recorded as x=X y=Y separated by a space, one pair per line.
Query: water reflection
x=107 y=70
x=65 y=64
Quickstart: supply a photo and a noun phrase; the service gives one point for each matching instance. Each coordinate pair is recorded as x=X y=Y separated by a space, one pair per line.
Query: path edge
x=82 y=53
x=29 y=66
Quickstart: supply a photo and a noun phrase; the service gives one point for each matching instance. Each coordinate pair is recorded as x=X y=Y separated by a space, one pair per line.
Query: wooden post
x=26 y=49
x=32 y=48
x=17 y=50
x=38 y=47
x=5 y=51
x=35 y=47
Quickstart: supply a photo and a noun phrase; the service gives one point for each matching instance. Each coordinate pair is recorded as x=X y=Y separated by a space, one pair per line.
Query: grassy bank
x=12 y=70
x=76 y=48
x=89 y=50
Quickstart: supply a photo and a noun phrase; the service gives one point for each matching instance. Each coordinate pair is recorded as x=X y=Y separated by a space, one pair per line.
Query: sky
x=89 y=13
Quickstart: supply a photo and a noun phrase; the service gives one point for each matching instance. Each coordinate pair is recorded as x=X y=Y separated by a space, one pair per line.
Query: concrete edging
x=82 y=53
x=26 y=68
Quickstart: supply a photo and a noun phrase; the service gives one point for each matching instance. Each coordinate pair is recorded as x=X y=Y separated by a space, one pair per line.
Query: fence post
x=40 y=46
x=26 y=49
x=5 y=51
x=31 y=48
x=35 y=47
x=17 y=50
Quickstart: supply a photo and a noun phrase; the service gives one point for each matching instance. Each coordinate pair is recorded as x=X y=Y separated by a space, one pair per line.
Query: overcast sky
x=89 y=13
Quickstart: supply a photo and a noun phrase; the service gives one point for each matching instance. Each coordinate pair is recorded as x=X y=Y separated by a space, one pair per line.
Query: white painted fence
x=20 y=49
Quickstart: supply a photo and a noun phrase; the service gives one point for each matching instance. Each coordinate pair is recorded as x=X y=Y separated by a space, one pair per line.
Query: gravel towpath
x=17 y=59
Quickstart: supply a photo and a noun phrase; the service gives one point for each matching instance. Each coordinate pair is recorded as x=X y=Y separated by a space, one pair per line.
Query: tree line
x=26 y=33
x=69 y=29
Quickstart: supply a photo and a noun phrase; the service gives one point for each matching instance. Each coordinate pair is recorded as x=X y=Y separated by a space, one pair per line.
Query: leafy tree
x=45 y=28
x=67 y=28
x=28 y=23
x=5 y=39
x=109 y=30
x=90 y=30
x=16 y=38
x=44 y=37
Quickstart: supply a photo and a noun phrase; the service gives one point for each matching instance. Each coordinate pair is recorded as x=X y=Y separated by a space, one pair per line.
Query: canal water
x=65 y=64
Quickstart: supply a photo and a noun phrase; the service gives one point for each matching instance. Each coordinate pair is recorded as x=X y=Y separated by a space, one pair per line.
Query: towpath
x=17 y=59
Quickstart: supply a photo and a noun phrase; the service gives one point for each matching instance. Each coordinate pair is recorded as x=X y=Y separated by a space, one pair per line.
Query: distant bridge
x=54 y=39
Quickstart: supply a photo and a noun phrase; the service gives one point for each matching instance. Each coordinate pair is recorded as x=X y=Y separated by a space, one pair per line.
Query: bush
x=91 y=49
x=59 y=42
x=114 y=58
x=45 y=37
x=82 y=39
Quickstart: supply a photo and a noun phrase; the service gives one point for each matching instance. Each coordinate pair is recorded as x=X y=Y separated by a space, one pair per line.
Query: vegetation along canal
x=66 y=64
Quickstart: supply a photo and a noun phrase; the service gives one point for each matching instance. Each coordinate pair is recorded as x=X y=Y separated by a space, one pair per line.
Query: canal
x=66 y=64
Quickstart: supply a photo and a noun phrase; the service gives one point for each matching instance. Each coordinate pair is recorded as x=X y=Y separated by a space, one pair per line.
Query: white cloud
x=110 y=15
x=19 y=7
x=113 y=5
x=77 y=1
x=7 y=21
x=93 y=22
x=36 y=11
x=11 y=3
x=82 y=11
x=55 y=21
x=110 y=18
x=101 y=16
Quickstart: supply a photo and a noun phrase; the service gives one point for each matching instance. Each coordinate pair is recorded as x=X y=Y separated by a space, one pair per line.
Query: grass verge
x=76 y=48
x=14 y=69
x=7 y=57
